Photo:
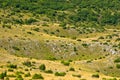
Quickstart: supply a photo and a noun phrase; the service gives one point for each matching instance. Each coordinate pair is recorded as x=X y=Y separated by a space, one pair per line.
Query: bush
x=118 y=66
x=60 y=74
x=118 y=39
x=101 y=37
x=19 y=77
x=95 y=75
x=36 y=29
x=42 y=67
x=37 y=76
x=72 y=69
x=10 y=70
x=49 y=71
x=27 y=63
x=6 y=26
x=66 y=63
x=117 y=60
x=77 y=75
x=15 y=48
x=30 y=21
x=52 y=58
x=7 y=78
x=27 y=74
x=3 y=74
x=85 y=45
x=12 y=66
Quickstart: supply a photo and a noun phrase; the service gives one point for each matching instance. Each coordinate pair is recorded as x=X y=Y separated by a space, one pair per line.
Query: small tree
x=3 y=74
x=42 y=67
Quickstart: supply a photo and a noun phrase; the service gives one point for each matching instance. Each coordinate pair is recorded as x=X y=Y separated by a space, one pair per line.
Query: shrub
x=27 y=63
x=7 y=78
x=10 y=70
x=95 y=75
x=77 y=75
x=26 y=69
x=72 y=69
x=15 y=48
x=79 y=40
x=11 y=75
x=117 y=60
x=36 y=29
x=3 y=74
x=30 y=21
x=37 y=76
x=19 y=77
x=52 y=58
x=27 y=74
x=118 y=39
x=6 y=26
x=42 y=67
x=118 y=66
x=12 y=66
x=49 y=71
x=101 y=37
x=60 y=74
x=85 y=45
x=66 y=63
x=75 y=49
x=19 y=72
x=29 y=32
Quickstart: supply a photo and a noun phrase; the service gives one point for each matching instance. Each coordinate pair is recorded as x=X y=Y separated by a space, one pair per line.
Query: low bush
x=37 y=76
x=71 y=69
x=36 y=29
x=3 y=74
x=66 y=63
x=42 y=67
x=19 y=77
x=49 y=71
x=76 y=75
x=12 y=66
x=95 y=75
x=10 y=70
x=27 y=74
x=60 y=74
x=117 y=60
x=16 y=48
x=27 y=63
x=30 y=21
x=118 y=66
x=101 y=37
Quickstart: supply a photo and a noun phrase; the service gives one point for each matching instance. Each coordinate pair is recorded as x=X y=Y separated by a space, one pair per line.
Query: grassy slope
x=22 y=40
x=79 y=66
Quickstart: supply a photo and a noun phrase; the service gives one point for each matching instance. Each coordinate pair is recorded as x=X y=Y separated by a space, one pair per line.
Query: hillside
x=62 y=34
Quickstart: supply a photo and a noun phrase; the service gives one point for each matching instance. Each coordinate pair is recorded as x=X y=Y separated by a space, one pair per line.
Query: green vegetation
x=42 y=67
x=82 y=34
x=60 y=74
x=12 y=66
x=77 y=75
x=71 y=69
x=93 y=12
x=27 y=63
x=3 y=74
x=118 y=66
x=37 y=76
x=27 y=74
x=117 y=60
x=66 y=63
x=49 y=71
x=95 y=75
